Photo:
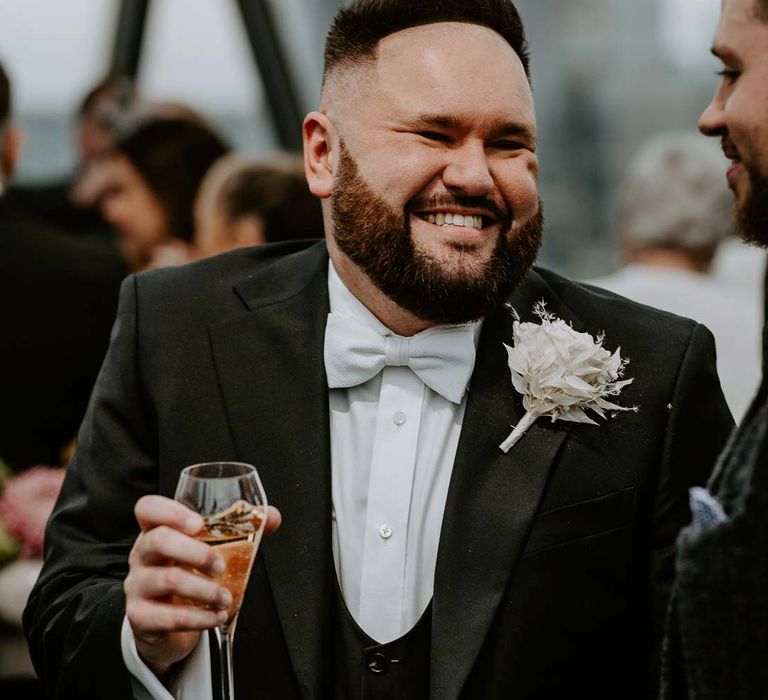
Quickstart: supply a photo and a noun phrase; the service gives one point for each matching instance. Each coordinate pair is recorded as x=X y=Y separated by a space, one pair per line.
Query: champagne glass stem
x=225 y=661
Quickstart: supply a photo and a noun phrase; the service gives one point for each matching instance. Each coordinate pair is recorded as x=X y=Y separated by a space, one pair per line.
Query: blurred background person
x=58 y=297
x=245 y=202
x=106 y=107
x=10 y=136
x=674 y=210
x=154 y=172
x=72 y=204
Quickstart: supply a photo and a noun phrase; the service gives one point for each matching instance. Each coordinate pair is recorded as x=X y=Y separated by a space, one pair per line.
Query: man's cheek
x=524 y=200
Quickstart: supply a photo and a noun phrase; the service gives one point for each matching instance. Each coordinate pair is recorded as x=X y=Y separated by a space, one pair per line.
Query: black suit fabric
x=58 y=298
x=554 y=560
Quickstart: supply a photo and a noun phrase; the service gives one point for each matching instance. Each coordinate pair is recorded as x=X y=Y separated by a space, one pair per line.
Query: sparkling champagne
x=235 y=533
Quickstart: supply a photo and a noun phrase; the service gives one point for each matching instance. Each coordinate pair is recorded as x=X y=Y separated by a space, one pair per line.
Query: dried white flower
x=562 y=373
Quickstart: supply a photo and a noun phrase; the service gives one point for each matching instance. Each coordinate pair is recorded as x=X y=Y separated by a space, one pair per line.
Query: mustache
x=457 y=200
x=729 y=149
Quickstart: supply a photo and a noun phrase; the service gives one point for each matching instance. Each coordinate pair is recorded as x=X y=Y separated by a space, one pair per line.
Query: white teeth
x=467 y=221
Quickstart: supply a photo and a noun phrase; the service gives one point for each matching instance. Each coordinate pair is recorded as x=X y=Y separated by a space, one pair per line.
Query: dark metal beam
x=129 y=33
x=271 y=62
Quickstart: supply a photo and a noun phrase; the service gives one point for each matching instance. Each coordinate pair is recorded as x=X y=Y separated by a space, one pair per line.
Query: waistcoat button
x=378 y=663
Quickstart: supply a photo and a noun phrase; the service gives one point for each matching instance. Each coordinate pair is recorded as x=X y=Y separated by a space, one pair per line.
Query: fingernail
x=218 y=567
x=225 y=598
x=193 y=523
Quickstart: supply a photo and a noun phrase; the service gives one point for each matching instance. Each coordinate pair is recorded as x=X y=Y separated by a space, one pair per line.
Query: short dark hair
x=278 y=193
x=762 y=10
x=172 y=156
x=357 y=29
x=118 y=88
x=5 y=96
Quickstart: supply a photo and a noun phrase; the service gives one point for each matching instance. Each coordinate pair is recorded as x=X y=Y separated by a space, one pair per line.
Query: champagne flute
x=231 y=499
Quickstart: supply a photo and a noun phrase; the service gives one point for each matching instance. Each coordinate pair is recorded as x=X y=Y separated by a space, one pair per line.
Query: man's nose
x=468 y=171
x=712 y=119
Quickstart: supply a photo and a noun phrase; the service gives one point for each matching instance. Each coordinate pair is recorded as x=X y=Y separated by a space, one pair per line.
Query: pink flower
x=26 y=503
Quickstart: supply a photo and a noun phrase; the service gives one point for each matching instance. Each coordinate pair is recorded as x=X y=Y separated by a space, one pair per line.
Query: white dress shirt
x=393 y=444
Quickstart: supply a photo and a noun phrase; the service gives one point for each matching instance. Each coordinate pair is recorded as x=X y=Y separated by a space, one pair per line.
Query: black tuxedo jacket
x=554 y=559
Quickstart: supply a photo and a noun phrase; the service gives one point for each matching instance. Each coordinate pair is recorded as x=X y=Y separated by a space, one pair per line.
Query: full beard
x=752 y=215
x=379 y=241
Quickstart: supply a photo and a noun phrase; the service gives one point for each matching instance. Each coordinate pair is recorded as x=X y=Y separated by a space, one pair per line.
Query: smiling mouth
x=473 y=221
x=731 y=154
x=736 y=163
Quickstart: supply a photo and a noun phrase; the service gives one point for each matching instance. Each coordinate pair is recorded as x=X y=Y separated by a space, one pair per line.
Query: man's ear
x=320 y=140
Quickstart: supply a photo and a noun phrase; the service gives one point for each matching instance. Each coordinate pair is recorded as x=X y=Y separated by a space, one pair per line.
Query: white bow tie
x=443 y=358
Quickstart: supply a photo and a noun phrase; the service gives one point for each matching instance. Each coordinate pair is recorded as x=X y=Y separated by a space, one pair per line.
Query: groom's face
x=738 y=113
x=436 y=174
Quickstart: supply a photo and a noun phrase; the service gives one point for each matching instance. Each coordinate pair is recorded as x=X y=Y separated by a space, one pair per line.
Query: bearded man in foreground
x=367 y=378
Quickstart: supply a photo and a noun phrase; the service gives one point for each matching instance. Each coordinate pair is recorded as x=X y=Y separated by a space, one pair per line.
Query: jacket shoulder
x=224 y=269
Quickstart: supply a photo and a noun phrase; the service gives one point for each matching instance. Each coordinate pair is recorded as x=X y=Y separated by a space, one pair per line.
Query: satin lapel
x=492 y=500
x=270 y=366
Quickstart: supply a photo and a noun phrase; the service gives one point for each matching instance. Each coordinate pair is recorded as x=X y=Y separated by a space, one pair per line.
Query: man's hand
x=167 y=630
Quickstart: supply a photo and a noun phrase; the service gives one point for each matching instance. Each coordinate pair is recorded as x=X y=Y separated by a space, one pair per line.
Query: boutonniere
x=562 y=373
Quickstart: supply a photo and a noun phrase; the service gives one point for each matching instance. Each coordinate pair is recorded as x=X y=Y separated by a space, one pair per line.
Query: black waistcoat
x=365 y=670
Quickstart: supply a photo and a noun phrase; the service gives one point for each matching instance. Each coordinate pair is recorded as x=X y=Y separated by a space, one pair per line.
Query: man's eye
x=509 y=145
x=434 y=136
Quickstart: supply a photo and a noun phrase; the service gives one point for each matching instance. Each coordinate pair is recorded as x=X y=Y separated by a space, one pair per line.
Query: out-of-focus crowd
x=155 y=185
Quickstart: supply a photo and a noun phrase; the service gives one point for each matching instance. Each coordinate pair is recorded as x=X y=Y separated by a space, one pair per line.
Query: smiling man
x=737 y=113
x=366 y=377
x=717 y=642
x=458 y=222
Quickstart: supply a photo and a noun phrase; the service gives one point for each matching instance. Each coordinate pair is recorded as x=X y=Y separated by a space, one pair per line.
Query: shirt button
x=385 y=531
x=398 y=418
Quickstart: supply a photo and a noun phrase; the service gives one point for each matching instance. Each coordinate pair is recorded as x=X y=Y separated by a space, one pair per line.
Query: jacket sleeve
x=74 y=614
x=697 y=430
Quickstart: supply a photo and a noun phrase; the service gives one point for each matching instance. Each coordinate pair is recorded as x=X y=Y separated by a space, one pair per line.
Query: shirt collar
x=344 y=302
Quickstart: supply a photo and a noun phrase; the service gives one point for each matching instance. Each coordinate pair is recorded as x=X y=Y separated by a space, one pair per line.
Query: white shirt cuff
x=192 y=681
